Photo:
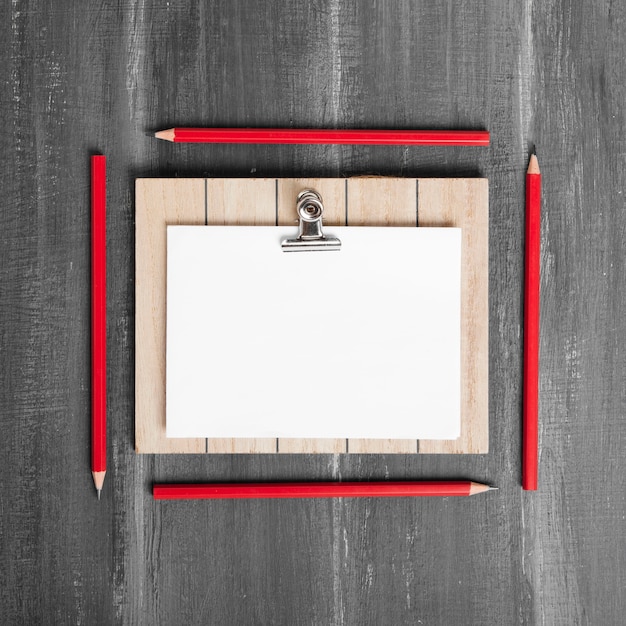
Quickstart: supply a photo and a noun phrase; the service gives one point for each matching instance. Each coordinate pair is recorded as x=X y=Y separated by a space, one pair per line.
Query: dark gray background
x=80 y=77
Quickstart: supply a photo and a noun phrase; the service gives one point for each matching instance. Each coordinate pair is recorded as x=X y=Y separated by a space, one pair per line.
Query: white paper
x=360 y=343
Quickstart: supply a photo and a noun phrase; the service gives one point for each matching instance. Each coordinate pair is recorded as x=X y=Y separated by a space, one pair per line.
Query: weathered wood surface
x=81 y=77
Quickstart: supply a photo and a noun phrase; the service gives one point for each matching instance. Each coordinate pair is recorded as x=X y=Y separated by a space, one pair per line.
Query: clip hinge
x=310 y=236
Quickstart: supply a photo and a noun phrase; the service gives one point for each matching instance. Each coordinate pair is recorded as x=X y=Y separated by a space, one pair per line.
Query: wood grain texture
x=158 y=204
x=376 y=200
x=84 y=77
x=463 y=203
x=230 y=203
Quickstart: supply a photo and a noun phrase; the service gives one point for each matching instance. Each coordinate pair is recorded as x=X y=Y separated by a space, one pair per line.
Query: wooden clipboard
x=375 y=201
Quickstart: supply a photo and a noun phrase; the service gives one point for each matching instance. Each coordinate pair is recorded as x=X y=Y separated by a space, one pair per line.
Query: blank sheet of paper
x=360 y=343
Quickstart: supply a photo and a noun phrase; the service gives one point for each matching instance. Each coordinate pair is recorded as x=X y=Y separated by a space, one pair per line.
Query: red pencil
x=326 y=136
x=531 y=326
x=98 y=321
x=316 y=490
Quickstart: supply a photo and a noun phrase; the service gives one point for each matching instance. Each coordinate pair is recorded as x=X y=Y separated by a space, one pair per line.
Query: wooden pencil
x=530 y=445
x=98 y=320
x=326 y=136
x=389 y=489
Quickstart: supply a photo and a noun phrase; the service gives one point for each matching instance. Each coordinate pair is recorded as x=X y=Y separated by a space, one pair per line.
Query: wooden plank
x=371 y=200
x=464 y=203
x=249 y=201
x=158 y=202
x=333 y=192
x=382 y=202
x=241 y=201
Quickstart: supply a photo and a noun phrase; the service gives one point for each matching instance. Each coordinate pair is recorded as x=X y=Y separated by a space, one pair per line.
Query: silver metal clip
x=310 y=236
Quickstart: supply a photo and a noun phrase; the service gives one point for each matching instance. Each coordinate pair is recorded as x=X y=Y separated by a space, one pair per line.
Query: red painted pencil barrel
x=98 y=313
x=310 y=490
x=332 y=136
x=530 y=446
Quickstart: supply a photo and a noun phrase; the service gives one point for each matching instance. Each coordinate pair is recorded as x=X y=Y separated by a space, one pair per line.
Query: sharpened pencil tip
x=149 y=133
x=533 y=165
x=99 y=492
x=492 y=489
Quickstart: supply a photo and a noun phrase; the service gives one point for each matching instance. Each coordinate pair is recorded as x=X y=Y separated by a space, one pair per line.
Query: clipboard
x=354 y=201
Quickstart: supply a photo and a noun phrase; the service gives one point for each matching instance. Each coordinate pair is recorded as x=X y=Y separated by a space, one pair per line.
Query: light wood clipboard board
x=375 y=201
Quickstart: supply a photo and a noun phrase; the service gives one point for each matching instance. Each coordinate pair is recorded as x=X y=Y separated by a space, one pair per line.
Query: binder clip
x=310 y=236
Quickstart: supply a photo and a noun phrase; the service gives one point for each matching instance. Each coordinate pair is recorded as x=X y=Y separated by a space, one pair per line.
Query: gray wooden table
x=79 y=77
